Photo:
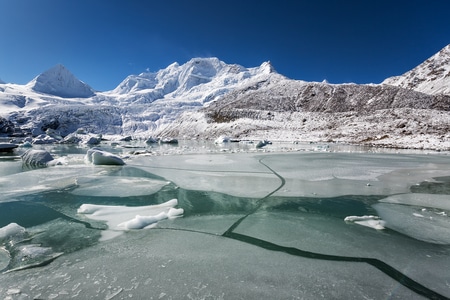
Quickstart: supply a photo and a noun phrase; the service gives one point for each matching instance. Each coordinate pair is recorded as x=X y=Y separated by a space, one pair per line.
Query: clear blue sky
x=103 y=41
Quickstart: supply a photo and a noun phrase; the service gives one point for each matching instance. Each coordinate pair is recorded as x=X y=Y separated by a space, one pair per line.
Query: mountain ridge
x=194 y=99
x=202 y=79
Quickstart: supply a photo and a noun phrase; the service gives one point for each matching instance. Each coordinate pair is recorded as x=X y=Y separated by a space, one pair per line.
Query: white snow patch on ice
x=369 y=221
x=122 y=218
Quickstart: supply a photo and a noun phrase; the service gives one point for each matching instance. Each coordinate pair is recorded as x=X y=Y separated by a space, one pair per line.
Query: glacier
x=57 y=100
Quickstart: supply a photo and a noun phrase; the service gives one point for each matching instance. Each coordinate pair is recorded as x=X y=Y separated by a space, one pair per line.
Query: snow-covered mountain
x=200 y=79
x=431 y=77
x=205 y=98
x=137 y=106
x=58 y=81
x=284 y=109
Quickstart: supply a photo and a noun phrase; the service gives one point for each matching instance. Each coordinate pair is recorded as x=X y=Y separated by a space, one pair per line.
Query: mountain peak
x=201 y=78
x=267 y=67
x=430 y=77
x=59 y=81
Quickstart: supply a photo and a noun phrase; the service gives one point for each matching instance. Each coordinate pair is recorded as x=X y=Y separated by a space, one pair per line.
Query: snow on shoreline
x=393 y=128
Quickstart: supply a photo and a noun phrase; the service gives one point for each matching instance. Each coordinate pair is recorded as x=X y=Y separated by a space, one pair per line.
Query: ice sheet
x=422 y=200
x=39 y=180
x=230 y=174
x=331 y=235
x=115 y=186
x=335 y=174
x=186 y=265
x=215 y=193
x=242 y=162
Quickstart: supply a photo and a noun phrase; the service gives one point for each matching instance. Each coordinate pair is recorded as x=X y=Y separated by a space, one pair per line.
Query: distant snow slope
x=58 y=81
x=431 y=77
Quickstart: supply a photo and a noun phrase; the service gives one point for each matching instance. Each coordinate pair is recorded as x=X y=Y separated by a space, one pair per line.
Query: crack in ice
x=378 y=264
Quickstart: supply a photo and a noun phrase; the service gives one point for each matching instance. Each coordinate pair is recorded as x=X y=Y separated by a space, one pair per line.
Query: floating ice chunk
x=130 y=217
x=11 y=232
x=29 y=256
x=221 y=140
x=26 y=144
x=7 y=147
x=36 y=158
x=168 y=140
x=17 y=255
x=97 y=156
x=263 y=143
x=151 y=140
x=44 y=139
x=93 y=140
x=430 y=227
x=369 y=221
x=140 y=222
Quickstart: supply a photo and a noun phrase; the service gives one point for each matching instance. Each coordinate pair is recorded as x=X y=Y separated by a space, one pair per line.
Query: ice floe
x=97 y=156
x=369 y=221
x=20 y=255
x=36 y=158
x=425 y=225
x=120 y=217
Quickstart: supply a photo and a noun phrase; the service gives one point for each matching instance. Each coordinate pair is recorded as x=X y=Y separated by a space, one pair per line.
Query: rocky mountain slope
x=283 y=109
x=431 y=77
x=395 y=113
x=205 y=98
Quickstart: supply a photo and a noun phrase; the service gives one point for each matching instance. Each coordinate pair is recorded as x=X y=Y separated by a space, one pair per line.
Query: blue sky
x=103 y=41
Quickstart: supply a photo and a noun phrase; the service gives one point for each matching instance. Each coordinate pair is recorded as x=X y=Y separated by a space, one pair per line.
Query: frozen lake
x=205 y=221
